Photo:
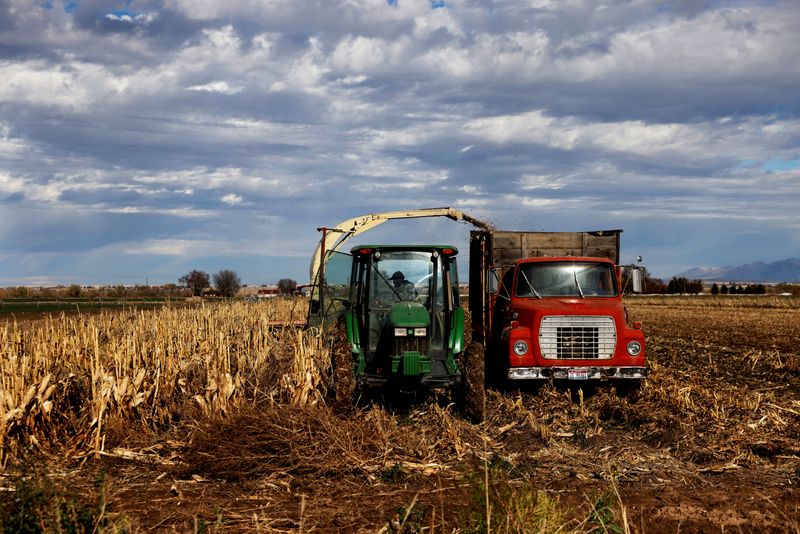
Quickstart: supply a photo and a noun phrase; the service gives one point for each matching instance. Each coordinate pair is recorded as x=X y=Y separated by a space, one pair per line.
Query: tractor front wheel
x=472 y=388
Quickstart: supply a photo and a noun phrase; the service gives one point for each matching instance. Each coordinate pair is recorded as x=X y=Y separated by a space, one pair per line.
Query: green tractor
x=396 y=323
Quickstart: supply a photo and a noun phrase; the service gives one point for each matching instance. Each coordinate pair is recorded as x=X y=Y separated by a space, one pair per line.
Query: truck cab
x=548 y=306
x=563 y=318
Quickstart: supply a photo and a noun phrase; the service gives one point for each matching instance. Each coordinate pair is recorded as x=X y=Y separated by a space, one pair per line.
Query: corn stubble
x=63 y=378
x=722 y=398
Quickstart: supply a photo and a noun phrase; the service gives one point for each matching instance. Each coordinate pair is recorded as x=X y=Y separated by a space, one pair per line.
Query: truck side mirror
x=494 y=281
x=637 y=279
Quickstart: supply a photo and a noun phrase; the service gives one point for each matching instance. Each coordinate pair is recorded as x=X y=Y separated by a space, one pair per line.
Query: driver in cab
x=405 y=289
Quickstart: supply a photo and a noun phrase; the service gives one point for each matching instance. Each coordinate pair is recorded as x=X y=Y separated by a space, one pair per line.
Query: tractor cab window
x=562 y=279
x=401 y=276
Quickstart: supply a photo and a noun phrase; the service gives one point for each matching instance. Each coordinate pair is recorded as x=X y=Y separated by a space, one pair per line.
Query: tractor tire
x=341 y=385
x=472 y=388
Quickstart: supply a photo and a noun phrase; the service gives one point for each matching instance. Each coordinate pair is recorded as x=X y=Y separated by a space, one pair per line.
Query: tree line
x=226 y=283
x=734 y=289
x=682 y=285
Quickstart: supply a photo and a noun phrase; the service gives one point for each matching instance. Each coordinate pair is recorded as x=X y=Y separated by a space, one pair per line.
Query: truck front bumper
x=577 y=373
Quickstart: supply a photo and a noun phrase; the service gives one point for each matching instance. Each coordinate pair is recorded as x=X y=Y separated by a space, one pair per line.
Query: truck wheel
x=341 y=385
x=496 y=369
x=473 y=383
x=629 y=389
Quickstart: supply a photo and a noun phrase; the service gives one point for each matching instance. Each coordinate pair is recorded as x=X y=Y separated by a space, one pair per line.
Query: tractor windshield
x=405 y=276
x=559 y=279
x=402 y=276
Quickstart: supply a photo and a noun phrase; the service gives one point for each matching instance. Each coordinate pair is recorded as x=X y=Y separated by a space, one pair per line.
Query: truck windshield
x=561 y=279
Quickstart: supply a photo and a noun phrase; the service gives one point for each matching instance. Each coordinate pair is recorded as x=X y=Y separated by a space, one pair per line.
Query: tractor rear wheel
x=472 y=389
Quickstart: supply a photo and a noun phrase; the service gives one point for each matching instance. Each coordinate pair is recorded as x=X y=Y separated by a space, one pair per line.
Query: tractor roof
x=422 y=248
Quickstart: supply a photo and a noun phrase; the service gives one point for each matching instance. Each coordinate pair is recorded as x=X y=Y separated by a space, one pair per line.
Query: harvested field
x=208 y=420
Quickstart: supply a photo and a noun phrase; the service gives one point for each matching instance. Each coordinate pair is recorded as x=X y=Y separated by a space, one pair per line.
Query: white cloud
x=32 y=191
x=359 y=54
x=162 y=247
x=540 y=181
x=699 y=140
x=218 y=87
x=144 y=18
x=232 y=199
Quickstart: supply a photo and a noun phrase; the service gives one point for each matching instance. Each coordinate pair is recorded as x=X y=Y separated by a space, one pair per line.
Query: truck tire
x=472 y=394
x=341 y=385
x=629 y=389
x=496 y=368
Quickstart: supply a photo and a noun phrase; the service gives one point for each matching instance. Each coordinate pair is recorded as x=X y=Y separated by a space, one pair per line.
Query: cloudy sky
x=142 y=139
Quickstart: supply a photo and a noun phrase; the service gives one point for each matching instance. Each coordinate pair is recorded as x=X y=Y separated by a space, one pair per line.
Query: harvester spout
x=333 y=238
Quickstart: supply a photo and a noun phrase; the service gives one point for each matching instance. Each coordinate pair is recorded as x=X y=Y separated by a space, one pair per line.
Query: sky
x=142 y=139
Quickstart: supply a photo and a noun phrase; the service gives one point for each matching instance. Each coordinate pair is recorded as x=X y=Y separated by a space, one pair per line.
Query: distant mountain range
x=778 y=271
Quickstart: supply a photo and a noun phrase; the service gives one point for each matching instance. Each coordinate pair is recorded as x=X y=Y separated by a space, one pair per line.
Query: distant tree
x=715 y=289
x=655 y=285
x=196 y=281
x=20 y=292
x=672 y=286
x=678 y=285
x=74 y=291
x=227 y=283
x=748 y=290
x=724 y=289
x=695 y=287
x=760 y=289
x=286 y=286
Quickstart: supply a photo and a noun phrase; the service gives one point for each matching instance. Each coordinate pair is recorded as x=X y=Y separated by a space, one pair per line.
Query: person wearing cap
x=403 y=287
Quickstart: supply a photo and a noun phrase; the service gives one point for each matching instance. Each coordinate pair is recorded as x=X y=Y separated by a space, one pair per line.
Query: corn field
x=66 y=376
x=222 y=419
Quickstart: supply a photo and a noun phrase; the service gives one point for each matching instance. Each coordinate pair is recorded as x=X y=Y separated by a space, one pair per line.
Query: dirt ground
x=710 y=444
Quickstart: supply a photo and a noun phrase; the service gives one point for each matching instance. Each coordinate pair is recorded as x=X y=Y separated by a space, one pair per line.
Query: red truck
x=548 y=306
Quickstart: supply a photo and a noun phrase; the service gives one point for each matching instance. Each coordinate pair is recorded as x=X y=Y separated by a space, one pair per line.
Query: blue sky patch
x=124 y=12
x=782 y=165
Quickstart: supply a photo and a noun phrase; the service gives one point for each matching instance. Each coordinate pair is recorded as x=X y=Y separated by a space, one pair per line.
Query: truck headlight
x=420 y=332
x=634 y=348
x=520 y=348
x=400 y=332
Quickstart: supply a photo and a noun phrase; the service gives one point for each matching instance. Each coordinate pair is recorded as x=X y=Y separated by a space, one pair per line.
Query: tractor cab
x=398 y=308
x=406 y=315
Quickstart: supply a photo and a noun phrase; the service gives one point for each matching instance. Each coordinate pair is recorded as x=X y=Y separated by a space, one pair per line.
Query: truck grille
x=577 y=337
x=411 y=344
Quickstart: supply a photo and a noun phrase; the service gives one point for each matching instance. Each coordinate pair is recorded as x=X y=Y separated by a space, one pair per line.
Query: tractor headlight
x=420 y=332
x=400 y=332
x=520 y=348
x=634 y=348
